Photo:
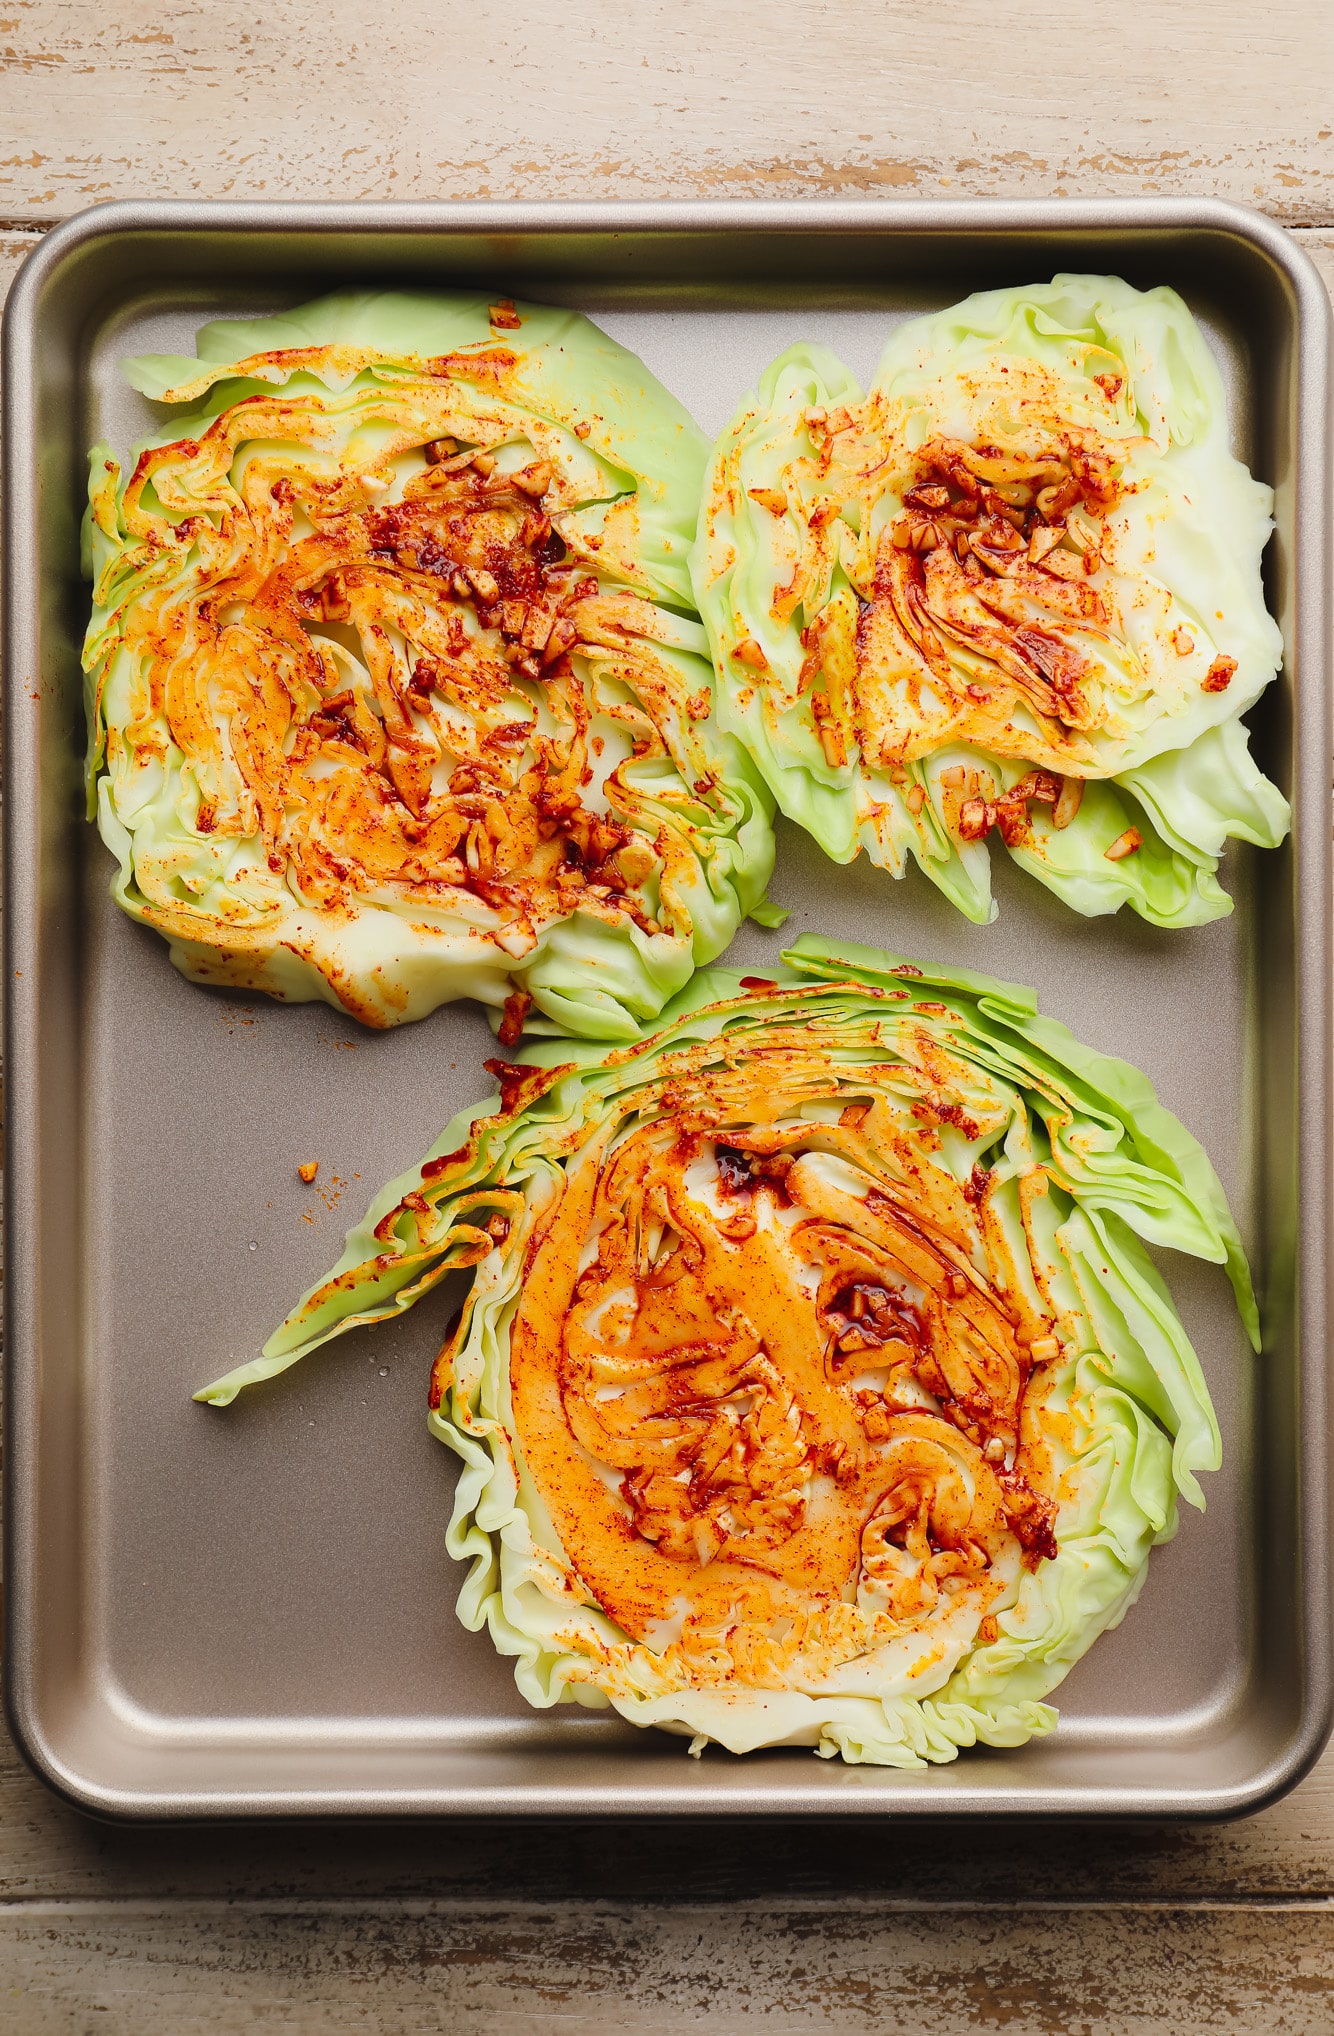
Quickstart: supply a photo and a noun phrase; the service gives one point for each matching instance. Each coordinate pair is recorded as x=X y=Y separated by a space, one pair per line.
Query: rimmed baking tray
x=251 y=1613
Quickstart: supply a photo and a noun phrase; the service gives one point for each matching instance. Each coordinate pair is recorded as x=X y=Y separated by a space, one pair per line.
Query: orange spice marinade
x=812 y=1384
x=385 y=689
x=1011 y=593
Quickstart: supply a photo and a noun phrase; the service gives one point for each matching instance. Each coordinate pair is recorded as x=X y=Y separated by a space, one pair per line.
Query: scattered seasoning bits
x=748 y=652
x=1125 y=844
x=975 y=819
x=1067 y=803
x=1219 y=675
x=534 y=480
x=309 y=1170
x=830 y=731
x=516 y=1008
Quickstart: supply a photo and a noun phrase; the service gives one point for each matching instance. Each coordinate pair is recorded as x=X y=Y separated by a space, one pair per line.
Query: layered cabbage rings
x=395 y=688
x=813 y=1385
x=1014 y=589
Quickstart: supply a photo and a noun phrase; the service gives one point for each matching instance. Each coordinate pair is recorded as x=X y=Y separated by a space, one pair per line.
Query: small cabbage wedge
x=1015 y=587
x=395 y=689
x=814 y=1385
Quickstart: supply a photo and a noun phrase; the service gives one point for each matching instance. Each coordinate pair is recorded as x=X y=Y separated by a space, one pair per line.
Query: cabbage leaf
x=813 y=1383
x=1014 y=588
x=395 y=688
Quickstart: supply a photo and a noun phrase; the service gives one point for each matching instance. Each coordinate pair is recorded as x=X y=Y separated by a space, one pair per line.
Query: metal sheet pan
x=252 y=1614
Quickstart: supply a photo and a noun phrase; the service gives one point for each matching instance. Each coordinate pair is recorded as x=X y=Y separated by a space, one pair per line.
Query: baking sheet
x=252 y=1610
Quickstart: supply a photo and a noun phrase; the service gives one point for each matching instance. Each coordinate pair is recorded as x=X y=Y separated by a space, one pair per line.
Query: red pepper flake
x=520 y=1085
x=1030 y=1516
x=517 y=1006
x=504 y=316
x=309 y=1170
x=757 y=983
x=954 y=1113
x=1219 y=675
x=433 y=1168
x=442 y=1371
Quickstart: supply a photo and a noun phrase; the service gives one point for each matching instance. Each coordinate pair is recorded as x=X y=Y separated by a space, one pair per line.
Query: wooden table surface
x=1023 y=1929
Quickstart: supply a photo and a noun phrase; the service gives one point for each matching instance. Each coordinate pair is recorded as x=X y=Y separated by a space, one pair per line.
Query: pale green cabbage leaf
x=896 y=706
x=323 y=762
x=1048 y=1170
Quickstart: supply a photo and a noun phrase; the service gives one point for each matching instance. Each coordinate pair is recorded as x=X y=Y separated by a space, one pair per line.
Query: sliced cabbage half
x=1014 y=588
x=395 y=688
x=813 y=1385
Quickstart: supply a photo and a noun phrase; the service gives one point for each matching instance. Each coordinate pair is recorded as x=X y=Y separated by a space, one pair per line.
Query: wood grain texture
x=472 y=99
x=1036 y=1931
x=511 y=1970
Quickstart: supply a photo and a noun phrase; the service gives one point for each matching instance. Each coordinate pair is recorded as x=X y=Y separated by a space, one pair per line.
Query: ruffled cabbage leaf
x=395 y=688
x=1015 y=588
x=814 y=1385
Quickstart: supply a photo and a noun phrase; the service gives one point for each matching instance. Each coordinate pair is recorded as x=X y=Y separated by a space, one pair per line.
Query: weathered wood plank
x=557 y=1970
x=386 y=99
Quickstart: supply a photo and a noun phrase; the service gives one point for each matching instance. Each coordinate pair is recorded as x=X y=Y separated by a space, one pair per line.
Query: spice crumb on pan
x=309 y=1169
